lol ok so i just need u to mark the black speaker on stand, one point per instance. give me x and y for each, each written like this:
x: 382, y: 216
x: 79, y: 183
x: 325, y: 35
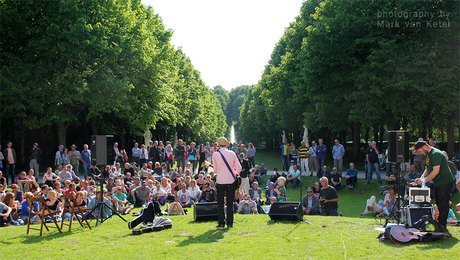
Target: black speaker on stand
x: 398, y: 142
x: 102, y: 149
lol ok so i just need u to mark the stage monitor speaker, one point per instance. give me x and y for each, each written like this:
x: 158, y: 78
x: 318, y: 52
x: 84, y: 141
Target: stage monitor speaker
x: 102, y: 149
x: 398, y: 142
x: 205, y: 211
x: 415, y: 213
x: 286, y: 211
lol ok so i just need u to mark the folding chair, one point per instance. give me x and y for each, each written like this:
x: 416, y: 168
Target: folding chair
x: 70, y: 205
x: 44, y: 212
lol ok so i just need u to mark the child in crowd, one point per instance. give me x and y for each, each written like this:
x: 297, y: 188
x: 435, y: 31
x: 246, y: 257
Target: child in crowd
x: 281, y: 190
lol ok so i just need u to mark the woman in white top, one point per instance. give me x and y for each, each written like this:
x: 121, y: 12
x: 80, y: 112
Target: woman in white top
x: 165, y: 185
x: 194, y: 190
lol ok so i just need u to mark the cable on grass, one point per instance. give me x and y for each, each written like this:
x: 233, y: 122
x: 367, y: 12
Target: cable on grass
x: 344, y: 249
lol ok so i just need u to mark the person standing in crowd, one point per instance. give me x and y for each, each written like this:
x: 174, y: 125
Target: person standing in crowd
x: 320, y: 156
x: 58, y: 160
x: 74, y: 158
x: 226, y: 165
x: 338, y: 151
x: 85, y: 158
x: 180, y: 154
x: 433, y: 144
x: 438, y: 171
x: 372, y: 159
x: 312, y: 162
x: 35, y: 156
x: 328, y: 197
x: 136, y: 153
x: 285, y: 155
x: 303, y: 157
x: 244, y: 174
x: 192, y: 156
x: 251, y: 153
x: 10, y: 160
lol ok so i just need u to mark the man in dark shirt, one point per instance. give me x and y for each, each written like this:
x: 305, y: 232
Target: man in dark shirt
x: 372, y: 159
x: 154, y: 153
x: 180, y: 154
x: 128, y: 168
x: 208, y: 194
x: 328, y: 198
x: 336, y: 179
x: 438, y: 171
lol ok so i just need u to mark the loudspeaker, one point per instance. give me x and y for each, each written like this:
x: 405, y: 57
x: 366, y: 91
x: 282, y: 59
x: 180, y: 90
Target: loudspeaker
x: 398, y: 146
x: 205, y: 211
x: 102, y: 149
x: 286, y: 211
x: 415, y: 213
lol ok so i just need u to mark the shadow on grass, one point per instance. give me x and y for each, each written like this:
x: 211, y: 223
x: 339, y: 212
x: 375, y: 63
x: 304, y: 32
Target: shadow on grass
x: 212, y: 235
x: 34, y: 236
x: 445, y: 243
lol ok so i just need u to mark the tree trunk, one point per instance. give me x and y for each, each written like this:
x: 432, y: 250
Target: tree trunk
x: 382, y: 133
x: 22, y: 143
x: 356, y: 140
x: 450, y: 137
x: 62, y: 133
x: 376, y: 133
x: 95, y: 121
x: 366, y: 137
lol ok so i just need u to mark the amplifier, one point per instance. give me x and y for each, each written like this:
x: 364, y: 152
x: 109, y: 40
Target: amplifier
x: 416, y: 212
x: 286, y: 211
x: 419, y: 195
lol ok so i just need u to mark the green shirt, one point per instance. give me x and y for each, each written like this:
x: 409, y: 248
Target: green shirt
x: 435, y: 158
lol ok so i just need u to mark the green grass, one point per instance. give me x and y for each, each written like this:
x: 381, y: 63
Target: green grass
x: 351, y: 236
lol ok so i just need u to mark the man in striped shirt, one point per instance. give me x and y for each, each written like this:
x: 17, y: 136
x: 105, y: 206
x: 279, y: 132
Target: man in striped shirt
x: 303, y: 156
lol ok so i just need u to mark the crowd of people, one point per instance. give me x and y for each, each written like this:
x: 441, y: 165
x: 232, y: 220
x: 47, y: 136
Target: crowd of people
x: 183, y: 175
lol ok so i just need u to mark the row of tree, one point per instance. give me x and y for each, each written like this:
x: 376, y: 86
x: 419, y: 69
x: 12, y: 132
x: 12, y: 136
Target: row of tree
x: 72, y: 68
x: 345, y: 68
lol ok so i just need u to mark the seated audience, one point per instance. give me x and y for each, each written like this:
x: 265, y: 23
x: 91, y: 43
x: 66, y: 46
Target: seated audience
x: 336, y: 179
x: 94, y: 202
x: 413, y: 174
x: 255, y: 193
x: 49, y: 177
x: 351, y: 176
x: 5, y: 216
x: 54, y: 204
x: 120, y: 202
x: 26, y: 206
x: 310, y: 203
x: 158, y: 193
x: 8, y: 200
x: 141, y: 195
x: 372, y: 207
x: 208, y: 194
x: 17, y: 194
x: 270, y: 201
x: 183, y: 196
x: 294, y: 177
x: 273, y: 178
x: 247, y: 206
x: 270, y: 192
x: 194, y: 191
x: 389, y: 205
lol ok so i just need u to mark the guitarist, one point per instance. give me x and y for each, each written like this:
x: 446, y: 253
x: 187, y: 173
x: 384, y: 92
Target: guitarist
x: 244, y: 174
x: 227, y: 167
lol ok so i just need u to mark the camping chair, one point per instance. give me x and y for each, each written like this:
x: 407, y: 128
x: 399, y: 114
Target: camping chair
x: 44, y: 212
x: 70, y: 205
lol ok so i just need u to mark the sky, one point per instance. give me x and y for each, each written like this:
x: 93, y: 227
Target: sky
x: 229, y: 42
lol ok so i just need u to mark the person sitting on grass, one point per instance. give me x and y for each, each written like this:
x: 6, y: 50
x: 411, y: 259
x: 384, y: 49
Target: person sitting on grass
x: 294, y: 177
x: 158, y: 193
x: 255, y: 193
x: 281, y: 190
x: 270, y: 192
x: 413, y: 174
x: 273, y: 178
x: 175, y: 209
x: 208, y: 194
x: 316, y: 188
x: 94, y: 202
x: 183, y: 196
x: 5, y: 215
x: 389, y: 202
x: 351, y: 176
x: 310, y: 203
x: 336, y: 179
x: 271, y: 200
x: 247, y: 206
x: 8, y: 200
x: 140, y: 194
x: 17, y: 194
x: 194, y: 191
x: 372, y: 207
x: 120, y: 202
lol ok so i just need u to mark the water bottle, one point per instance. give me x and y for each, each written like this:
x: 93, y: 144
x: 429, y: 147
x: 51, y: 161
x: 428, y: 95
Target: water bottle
x: 423, y: 181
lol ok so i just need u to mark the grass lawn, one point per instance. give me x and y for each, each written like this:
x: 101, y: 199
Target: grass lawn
x: 351, y: 236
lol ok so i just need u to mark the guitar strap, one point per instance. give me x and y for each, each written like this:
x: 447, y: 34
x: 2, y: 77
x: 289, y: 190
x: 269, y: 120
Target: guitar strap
x: 228, y: 166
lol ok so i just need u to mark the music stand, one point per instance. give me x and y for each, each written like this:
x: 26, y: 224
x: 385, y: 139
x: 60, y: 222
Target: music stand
x: 100, y: 205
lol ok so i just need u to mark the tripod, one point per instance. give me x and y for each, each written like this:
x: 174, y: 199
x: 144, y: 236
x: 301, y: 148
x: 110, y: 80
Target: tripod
x: 99, y: 209
x: 398, y: 206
